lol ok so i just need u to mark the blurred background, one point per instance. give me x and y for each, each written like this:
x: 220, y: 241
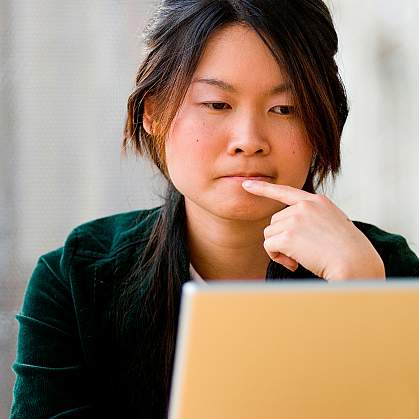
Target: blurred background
x: 66, y: 70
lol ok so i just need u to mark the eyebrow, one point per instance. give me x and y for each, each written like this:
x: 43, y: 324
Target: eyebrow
x: 280, y: 88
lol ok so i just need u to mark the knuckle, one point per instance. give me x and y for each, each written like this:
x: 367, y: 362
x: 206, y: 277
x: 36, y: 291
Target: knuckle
x: 274, y: 218
x: 296, y: 219
x: 267, y: 245
x: 287, y: 235
x: 322, y: 199
x: 304, y: 205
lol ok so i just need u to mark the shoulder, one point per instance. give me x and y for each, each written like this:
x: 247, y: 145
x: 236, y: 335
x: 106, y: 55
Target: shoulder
x: 69, y: 282
x: 101, y: 238
x: 101, y: 248
x: 399, y: 259
x: 92, y: 247
x: 106, y: 236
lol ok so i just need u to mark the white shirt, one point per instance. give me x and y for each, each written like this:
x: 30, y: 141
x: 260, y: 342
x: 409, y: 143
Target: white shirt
x: 195, y: 275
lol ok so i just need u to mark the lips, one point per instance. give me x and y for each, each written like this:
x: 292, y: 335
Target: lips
x: 241, y: 177
x: 265, y: 178
x: 250, y: 175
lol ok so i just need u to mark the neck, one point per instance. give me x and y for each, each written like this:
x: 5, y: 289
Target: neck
x: 225, y: 249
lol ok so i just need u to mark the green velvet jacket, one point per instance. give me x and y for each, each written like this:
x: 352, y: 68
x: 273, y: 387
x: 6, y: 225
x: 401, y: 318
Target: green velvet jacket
x: 65, y: 365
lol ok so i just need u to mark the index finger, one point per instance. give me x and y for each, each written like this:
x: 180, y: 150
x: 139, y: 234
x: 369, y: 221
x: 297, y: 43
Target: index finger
x: 283, y: 193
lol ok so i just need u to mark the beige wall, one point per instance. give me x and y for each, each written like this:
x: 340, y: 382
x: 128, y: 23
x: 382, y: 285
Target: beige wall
x: 379, y: 60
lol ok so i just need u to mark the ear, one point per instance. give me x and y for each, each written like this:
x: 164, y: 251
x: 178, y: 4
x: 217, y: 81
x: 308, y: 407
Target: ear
x: 149, y: 104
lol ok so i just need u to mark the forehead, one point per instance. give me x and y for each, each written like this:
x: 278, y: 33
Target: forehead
x: 238, y: 56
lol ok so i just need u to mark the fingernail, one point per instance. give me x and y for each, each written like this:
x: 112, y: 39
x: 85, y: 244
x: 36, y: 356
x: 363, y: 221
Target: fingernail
x: 248, y: 184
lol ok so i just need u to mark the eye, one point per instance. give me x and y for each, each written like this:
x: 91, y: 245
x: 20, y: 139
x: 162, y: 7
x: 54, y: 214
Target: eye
x: 216, y: 106
x: 284, y: 109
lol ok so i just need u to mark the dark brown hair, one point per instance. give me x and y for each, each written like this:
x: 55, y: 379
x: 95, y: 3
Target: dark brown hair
x: 302, y: 38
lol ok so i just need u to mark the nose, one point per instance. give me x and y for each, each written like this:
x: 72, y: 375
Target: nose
x: 248, y: 138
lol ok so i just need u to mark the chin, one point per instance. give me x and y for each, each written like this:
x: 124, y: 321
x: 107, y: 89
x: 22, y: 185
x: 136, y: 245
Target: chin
x: 230, y: 204
x: 245, y: 211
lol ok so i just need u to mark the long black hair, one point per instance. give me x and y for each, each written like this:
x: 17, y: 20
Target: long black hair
x: 302, y: 38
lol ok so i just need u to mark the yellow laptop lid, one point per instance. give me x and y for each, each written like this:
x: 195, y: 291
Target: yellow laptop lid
x: 297, y: 350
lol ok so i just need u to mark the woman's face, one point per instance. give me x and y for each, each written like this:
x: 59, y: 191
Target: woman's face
x: 236, y: 126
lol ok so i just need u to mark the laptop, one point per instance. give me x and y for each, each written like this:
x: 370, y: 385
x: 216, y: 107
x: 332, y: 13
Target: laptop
x: 297, y: 350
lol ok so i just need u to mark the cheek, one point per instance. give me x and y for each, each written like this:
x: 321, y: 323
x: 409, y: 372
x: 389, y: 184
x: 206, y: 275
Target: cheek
x: 294, y: 156
x: 189, y: 149
x: 302, y: 151
x: 294, y: 145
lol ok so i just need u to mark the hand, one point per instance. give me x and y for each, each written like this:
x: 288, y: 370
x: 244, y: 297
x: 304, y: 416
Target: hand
x: 314, y: 232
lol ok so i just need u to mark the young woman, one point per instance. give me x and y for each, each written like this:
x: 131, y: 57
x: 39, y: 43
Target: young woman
x: 240, y: 106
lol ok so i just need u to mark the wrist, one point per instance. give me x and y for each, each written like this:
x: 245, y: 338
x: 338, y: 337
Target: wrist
x: 373, y: 268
